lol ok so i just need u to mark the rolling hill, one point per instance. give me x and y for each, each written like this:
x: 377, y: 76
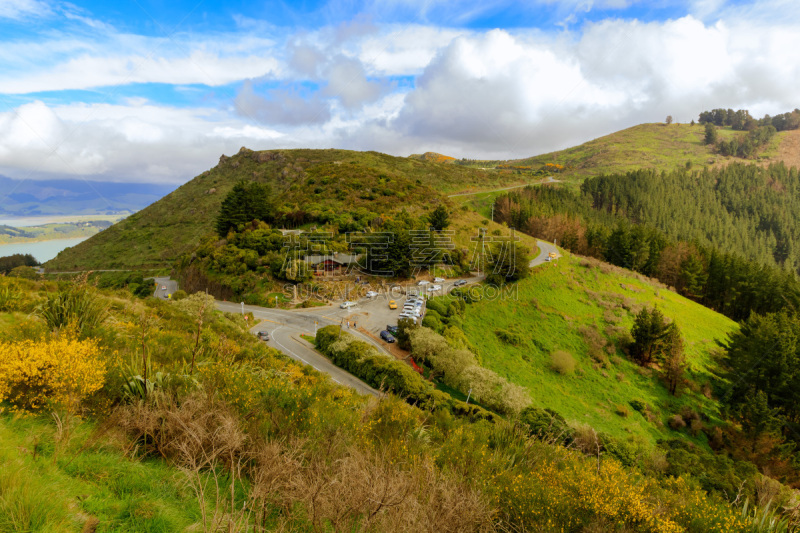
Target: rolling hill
x: 646, y: 146
x: 303, y: 181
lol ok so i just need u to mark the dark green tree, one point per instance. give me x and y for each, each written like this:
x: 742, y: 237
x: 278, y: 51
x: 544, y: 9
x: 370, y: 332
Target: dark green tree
x: 439, y: 218
x: 764, y: 356
x: 649, y: 333
x: 247, y: 201
x: 673, y: 360
x: 693, y: 276
x: 507, y: 261
x: 711, y: 133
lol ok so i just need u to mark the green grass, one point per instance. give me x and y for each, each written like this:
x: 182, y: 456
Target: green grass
x: 97, y: 485
x: 548, y: 311
x: 650, y: 146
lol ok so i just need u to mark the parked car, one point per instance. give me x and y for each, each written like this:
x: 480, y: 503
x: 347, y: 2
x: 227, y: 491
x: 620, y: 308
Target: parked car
x: 388, y: 337
x: 392, y: 329
x: 347, y: 305
x: 392, y: 304
x: 263, y: 335
x: 460, y: 283
x: 438, y: 280
x: 423, y: 282
x: 432, y: 288
x: 371, y: 294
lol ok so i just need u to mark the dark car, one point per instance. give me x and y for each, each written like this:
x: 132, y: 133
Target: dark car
x: 392, y: 329
x: 263, y: 335
x: 388, y: 337
x: 459, y: 283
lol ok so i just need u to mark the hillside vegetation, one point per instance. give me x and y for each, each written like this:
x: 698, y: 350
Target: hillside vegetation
x: 307, y: 184
x: 191, y: 423
x: 646, y: 146
x: 586, y: 308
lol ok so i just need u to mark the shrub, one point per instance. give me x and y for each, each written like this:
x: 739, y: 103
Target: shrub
x: 638, y: 405
x: 676, y: 422
x: 63, y: 370
x: 9, y: 297
x: 77, y: 305
x: 562, y: 362
x: 509, y: 337
x: 545, y: 424
x: 622, y: 410
x: 179, y: 295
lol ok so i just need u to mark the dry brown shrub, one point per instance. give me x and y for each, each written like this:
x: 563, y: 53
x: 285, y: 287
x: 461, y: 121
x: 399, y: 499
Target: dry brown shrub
x: 334, y: 485
x: 595, y: 344
x: 676, y: 422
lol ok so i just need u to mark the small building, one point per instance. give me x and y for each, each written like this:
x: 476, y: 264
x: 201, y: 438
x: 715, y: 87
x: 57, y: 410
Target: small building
x: 332, y: 264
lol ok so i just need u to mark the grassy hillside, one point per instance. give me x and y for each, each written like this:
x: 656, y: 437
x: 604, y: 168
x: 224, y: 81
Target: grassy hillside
x: 586, y: 308
x: 301, y: 180
x: 653, y: 146
x: 273, y: 445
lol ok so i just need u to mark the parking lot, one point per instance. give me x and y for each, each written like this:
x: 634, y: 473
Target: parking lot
x: 373, y: 314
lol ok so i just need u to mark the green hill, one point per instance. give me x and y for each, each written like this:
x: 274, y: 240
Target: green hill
x: 586, y: 308
x: 306, y: 184
x: 649, y: 146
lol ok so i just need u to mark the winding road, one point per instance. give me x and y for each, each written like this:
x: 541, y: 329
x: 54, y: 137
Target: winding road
x: 286, y: 327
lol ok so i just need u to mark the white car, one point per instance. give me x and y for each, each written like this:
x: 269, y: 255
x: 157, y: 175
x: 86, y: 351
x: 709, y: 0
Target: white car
x: 372, y: 294
x: 434, y: 288
x: 423, y: 282
x: 347, y: 305
x: 438, y: 280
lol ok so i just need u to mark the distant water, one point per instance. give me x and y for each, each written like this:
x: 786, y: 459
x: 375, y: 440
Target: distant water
x: 42, y: 251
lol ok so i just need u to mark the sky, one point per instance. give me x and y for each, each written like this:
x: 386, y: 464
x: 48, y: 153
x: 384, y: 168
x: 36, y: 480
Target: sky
x: 154, y: 91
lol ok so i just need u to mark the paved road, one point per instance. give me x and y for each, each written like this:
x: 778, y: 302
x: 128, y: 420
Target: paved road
x: 546, y: 248
x: 164, y: 287
x: 285, y: 328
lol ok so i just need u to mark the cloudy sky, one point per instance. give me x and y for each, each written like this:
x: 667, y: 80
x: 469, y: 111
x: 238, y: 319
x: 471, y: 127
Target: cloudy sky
x: 155, y: 90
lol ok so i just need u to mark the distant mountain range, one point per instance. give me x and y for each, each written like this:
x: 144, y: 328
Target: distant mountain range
x: 26, y: 198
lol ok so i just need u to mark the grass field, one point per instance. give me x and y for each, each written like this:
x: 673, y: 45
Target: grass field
x: 585, y: 307
x: 97, y: 489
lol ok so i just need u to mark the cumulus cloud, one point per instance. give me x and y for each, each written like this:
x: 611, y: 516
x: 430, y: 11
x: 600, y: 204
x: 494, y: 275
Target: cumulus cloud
x: 138, y: 142
x: 283, y: 107
x: 347, y: 82
x: 467, y: 93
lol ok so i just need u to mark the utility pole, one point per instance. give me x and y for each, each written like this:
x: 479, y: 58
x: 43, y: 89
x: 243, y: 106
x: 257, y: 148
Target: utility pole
x: 242, y: 308
x: 468, y: 395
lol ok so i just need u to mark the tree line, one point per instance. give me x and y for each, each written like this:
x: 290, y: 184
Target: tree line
x: 741, y: 119
x: 724, y: 238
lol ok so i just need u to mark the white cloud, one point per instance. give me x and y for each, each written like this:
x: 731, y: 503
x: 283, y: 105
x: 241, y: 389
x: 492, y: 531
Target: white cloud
x: 141, y: 142
x: 18, y: 9
x: 124, y: 59
x: 495, y: 94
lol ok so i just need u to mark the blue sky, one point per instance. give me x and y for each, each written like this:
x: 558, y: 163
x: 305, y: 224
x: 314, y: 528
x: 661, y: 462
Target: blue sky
x: 155, y: 91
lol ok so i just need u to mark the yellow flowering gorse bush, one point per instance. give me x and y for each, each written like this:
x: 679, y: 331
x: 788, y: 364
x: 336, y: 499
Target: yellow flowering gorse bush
x: 63, y: 370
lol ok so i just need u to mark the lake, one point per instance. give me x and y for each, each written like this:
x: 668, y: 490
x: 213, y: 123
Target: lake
x: 42, y: 251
